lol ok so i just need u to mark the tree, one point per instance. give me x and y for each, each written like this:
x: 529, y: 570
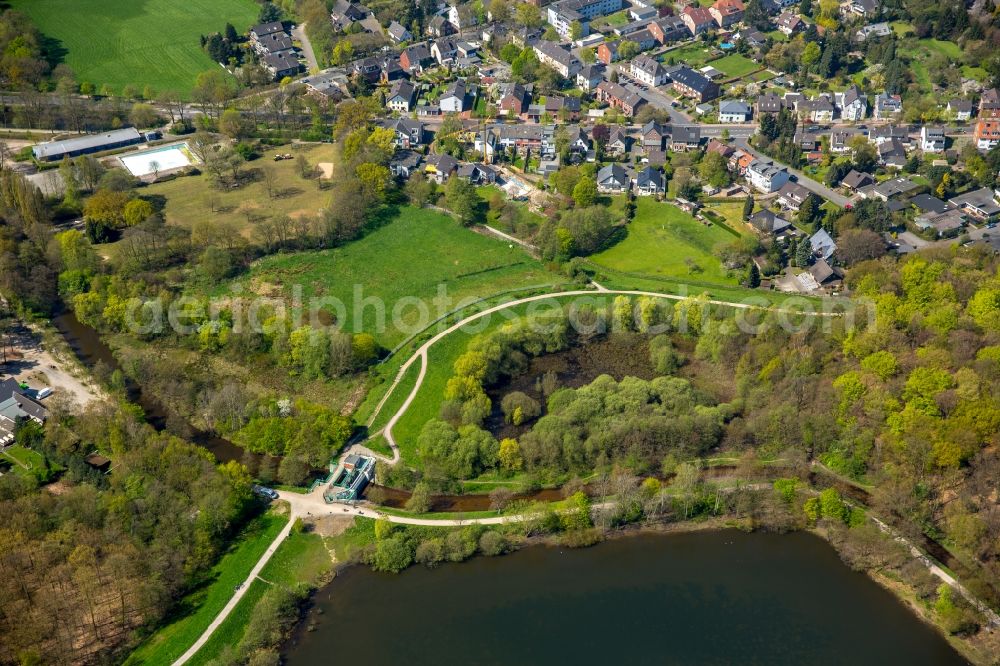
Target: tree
x: 106, y: 206
x: 809, y: 210
x: 748, y: 205
x: 232, y: 124
x: 585, y: 192
x: 462, y: 199
x: 575, y: 30
x: 714, y: 170
x: 753, y: 277
x: 392, y: 555
x: 510, y: 455
x: 803, y: 253
x: 143, y: 115
x: 856, y: 245
x: 528, y: 15
x: 627, y: 49
x: 420, y: 499
x: 268, y: 13
x: 137, y: 211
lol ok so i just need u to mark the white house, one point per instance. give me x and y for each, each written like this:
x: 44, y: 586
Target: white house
x: 648, y: 70
x: 766, y: 177
x: 932, y: 139
x: 853, y: 104
x: 734, y: 111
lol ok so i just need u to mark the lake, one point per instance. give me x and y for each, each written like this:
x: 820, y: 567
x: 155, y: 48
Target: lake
x: 716, y: 597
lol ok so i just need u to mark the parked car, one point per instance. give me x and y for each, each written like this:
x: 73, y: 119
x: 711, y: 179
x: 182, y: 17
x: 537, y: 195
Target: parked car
x: 266, y: 493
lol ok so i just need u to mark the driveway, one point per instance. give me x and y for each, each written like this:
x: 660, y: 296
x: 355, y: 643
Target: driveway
x: 299, y: 34
x: 805, y: 181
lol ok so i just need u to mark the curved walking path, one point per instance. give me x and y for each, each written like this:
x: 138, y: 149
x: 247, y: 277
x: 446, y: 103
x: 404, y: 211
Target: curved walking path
x: 421, y: 353
x: 238, y: 594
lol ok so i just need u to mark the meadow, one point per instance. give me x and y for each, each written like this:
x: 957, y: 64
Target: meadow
x: 665, y: 241
x: 140, y: 42
x: 404, y: 266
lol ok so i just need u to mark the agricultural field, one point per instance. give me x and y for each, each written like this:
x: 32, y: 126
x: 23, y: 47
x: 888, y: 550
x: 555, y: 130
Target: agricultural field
x: 665, y: 241
x: 735, y: 66
x: 153, y: 42
x: 417, y: 256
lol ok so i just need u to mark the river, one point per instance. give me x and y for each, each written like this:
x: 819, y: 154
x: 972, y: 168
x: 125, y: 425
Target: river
x: 714, y: 597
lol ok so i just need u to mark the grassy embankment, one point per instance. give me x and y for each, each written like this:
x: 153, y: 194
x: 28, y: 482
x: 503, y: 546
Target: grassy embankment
x: 197, y: 610
x: 150, y: 43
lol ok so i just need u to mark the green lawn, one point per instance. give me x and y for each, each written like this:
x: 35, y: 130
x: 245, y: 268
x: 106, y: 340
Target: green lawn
x: 199, y: 608
x: 301, y: 558
x: 29, y: 463
x: 400, y: 278
x: 137, y: 42
x: 693, y: 55
x: 735, y: 66
x: 665, y: 241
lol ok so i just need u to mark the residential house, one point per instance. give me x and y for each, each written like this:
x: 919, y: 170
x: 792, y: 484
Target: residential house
x: 818, y: 110
x: 439, y: 26
x: 765, y: 176
x: 932, y: 139
x: 607, y: 52
x: 14, y: 408
x: 649, y: 182
x: 865, y: 8
x: 416, y: 58
x: 734, y: 111
x: 789, y: 23
x: 685, y: 137
x: 892, y: 153
x: 613, y: 179
x: 618, y: 97
x: 444, y: 50
x: 754, y: 38
x: 946, y: 219
x: 461, y: 15
x: 716, y: 146
x: 514, y: 100
x: 258, y: 32
x: 961, y: 109
x: 564, y: 108
x: 405, y: 163
x: 840, y: 139
x: 855, y: 180
x: 555, y: 56
x: 619, y: 142
x: 397, y: 33
x: 331, y: 84
x: 458, y: 97
x: 589, y: 76
x: 440, y: 168
x: 562, y: 15
x: 791, y: 195
x: 281, y: 65
x: 887, y: 106
x: 697, y: 19
x: 980, y: 204
x: 402, y: 96
x: 853, y: 104
x: 767, y: 222
x: 345, y: 14
x: 987, y: 133
x: 654, y: 135
x: 892, y: 189
x: 273, y: 42
x: 822, y: 244
x: 769, y: 102
x: 690, y: 83
x: 726, y: 12
x: 880, y: 29
x: 882, y: 133
x: 477, y: 174
x: 668, y: 29
x: 643, y: 38
x: 538, y: 139
x: 989, y: 104
x: 579, y: 140
x: 409, y: 133
x: 647, y: 70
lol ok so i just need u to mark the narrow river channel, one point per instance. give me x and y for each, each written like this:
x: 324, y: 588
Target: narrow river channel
x: 716, y: 597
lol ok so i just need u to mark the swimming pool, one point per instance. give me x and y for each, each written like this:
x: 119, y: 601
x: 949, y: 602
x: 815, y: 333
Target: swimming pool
x: 161, y: 159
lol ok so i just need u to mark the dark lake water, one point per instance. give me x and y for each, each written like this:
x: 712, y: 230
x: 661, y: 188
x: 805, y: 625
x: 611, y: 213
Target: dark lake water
x: 707, y: 598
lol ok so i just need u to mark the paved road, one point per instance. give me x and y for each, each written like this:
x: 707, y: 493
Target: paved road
x: 299, y: 33
x: 805, y: 181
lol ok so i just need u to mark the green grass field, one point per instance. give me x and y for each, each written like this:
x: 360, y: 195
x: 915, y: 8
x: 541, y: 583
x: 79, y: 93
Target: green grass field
x: 735, y: 66
x: 194, y: 199
x: 693, y: 55
x: 199, y: 608
x: 231, y: 631
x: 402, y: 268
x: 665, y: 241
x: 137, y: 42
